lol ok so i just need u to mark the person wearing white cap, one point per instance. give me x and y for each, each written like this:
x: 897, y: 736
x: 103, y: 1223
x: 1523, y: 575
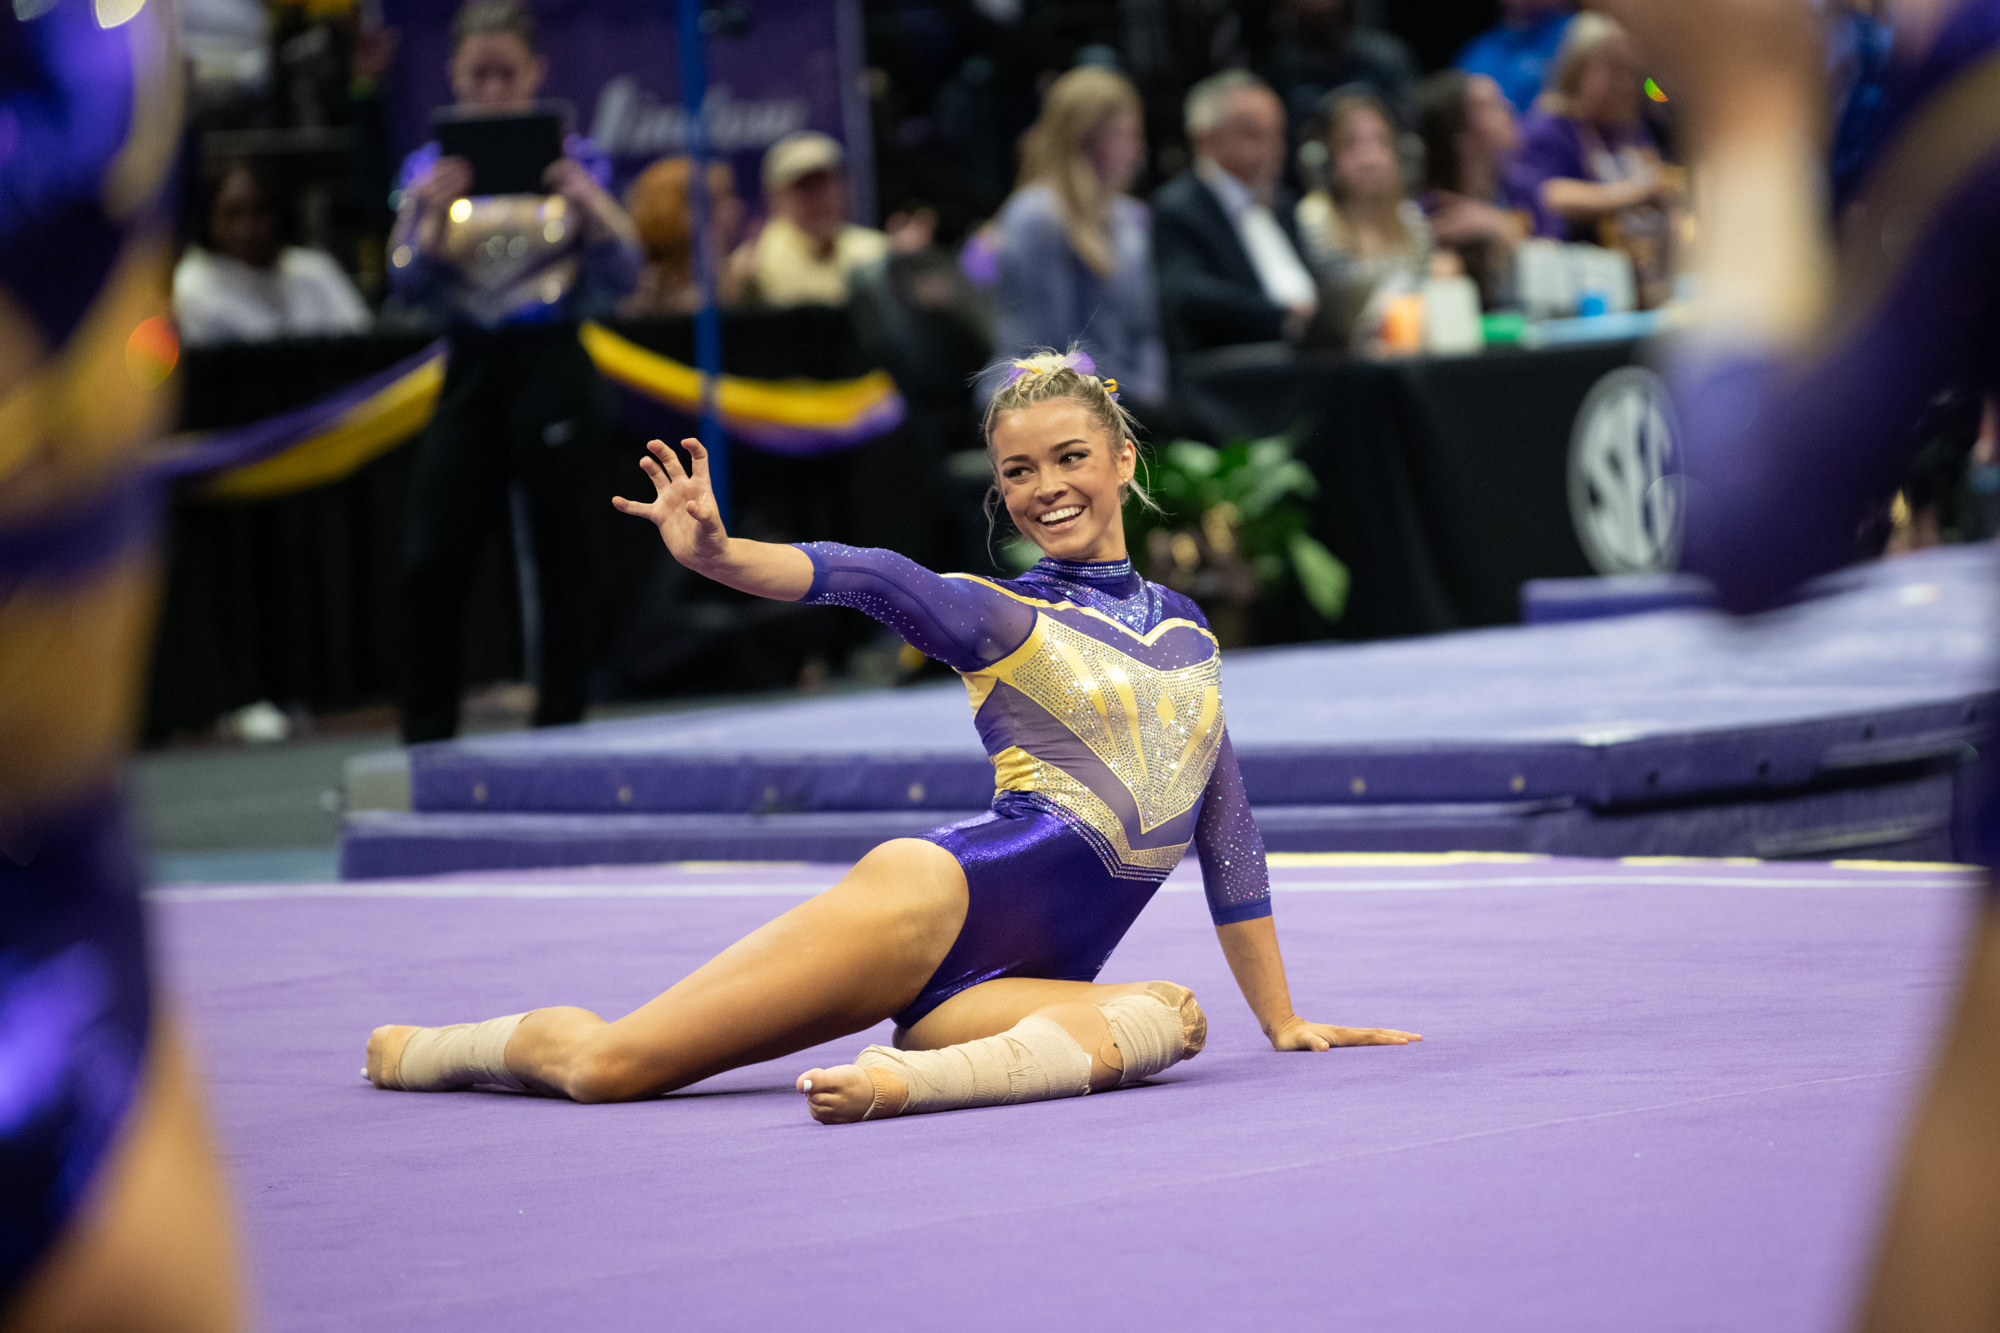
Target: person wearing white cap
x: 808, y: 248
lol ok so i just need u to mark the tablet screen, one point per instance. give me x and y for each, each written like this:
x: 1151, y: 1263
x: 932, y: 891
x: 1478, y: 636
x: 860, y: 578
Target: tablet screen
x: 508, y: 153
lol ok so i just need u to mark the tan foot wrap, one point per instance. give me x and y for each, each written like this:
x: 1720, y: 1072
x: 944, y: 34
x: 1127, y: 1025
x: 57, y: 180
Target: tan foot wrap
x: 1030, y: 1062
x: 1159, y: 1027
x: 464, y: 1055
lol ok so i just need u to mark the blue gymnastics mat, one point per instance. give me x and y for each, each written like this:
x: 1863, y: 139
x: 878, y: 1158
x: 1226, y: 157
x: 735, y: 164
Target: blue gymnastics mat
x: 1839, y: 725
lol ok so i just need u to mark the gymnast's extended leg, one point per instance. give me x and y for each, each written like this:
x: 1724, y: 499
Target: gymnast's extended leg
x: 837, y: 964
x: 1011, y: 1040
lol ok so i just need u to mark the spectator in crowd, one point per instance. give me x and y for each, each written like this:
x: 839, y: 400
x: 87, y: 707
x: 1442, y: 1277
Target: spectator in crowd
x: 658, y: 202
x: 1075, y: 252
x: 1584, y: 149
x: 1516, y: 52
x: 1322, y: 46
x: 1225, y: 241
x: 1587, y: 154
x: 808, y: 249
x: 518, y: 422
x: 1363, y: 232
x: 243, y: 283
x: 1476, y: 206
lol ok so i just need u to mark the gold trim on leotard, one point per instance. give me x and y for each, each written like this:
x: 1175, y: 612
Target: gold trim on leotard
x: 1157, y: 730
x: 1014, y: 769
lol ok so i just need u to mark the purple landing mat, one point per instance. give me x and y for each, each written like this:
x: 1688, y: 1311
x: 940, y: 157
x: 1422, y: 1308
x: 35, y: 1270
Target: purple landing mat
x: 1905, y: 820
x: 1894, y: 665
x: 1651, y: 1097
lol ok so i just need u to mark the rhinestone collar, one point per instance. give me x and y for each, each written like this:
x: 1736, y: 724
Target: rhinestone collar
x: 1107, y: 572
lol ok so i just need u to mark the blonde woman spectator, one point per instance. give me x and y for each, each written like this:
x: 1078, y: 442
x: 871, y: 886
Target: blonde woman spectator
x: 659, y: 206
x: 1584, y: 147
x: 1074, y: 250
x: 1363, y: 232
x: 1593, y: 164
x: 244, y: 284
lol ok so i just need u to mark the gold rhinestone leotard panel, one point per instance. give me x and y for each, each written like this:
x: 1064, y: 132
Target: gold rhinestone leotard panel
x: 1156, y: 729
x: 1017, y: 770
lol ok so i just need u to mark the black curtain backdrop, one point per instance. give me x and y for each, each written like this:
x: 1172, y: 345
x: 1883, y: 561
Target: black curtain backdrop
x: 295, y: 599
x: 290, y: 599
x: 1443, y: 488
x: 1444, y: 481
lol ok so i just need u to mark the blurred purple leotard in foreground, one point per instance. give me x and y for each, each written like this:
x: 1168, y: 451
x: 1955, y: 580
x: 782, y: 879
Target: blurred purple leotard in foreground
x: 1787, y: 456
x: 75, y: 257
x: 1099, y: 698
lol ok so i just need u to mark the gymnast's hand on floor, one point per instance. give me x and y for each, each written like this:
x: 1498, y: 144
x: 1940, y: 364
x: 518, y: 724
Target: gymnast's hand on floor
x: 1295, y: 1034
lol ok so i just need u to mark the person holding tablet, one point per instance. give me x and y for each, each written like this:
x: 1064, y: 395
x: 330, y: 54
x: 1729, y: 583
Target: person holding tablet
x: 518, y: 422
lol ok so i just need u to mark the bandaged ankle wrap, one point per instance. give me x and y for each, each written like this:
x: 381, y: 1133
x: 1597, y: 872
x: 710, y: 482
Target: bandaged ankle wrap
x: 1030, y: 1062
x: 464, y: 1055
x: 1159, y: 1027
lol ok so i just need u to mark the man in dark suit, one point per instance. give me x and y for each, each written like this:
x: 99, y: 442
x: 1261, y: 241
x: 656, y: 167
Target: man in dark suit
x: 1225, y: 243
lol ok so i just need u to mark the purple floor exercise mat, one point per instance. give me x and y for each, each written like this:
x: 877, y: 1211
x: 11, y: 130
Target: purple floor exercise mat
x: 1651, y: 1097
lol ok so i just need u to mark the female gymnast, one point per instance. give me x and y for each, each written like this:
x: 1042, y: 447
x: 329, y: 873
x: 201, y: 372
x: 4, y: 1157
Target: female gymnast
x: 1098, y: 696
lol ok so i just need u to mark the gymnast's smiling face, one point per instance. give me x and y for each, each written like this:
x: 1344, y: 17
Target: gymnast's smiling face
x: 1062, y: 475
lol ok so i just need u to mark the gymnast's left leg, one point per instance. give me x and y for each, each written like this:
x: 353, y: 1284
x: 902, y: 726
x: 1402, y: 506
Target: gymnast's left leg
x: 1017, y: 1039
x: 835, y: 964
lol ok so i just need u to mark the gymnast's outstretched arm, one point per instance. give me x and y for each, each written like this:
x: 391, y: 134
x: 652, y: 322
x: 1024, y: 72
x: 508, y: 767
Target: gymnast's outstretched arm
x: 964, y: 623
x: 1237, y: 881
x: 1798, y: 390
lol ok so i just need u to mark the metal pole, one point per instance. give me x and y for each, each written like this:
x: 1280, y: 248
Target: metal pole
x: 707, y: 320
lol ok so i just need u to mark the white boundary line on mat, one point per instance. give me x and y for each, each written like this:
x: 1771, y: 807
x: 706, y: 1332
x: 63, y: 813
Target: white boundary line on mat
x: 1601, y: 881
x: 366, y: 888
x: 795, y: 889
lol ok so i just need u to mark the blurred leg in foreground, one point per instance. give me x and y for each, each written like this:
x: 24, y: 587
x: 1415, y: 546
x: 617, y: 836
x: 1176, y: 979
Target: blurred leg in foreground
x: 1939, y: 1266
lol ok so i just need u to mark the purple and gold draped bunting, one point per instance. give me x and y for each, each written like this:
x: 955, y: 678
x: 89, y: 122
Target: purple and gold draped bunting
x: 794, y: 416
x: 334, y: 437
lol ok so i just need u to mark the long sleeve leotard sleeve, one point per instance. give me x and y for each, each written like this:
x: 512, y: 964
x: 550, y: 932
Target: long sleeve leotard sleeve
x: 1786, y: 454
x: 1233, y: 871
x: 963, y: 623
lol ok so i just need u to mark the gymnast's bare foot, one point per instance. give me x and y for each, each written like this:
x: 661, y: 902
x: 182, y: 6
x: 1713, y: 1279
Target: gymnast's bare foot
x: 843, y: 1094
x: 385, y: 1054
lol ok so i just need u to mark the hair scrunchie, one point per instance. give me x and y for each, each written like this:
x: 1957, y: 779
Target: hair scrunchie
x: 1078, y: 361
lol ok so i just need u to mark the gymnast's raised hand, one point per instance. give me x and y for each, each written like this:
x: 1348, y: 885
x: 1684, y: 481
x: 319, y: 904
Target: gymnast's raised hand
x: 683, y: 508
x: 1098, y: 696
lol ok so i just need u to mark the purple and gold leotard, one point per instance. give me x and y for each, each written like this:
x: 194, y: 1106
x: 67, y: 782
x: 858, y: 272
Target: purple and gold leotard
x: 1099, y: 698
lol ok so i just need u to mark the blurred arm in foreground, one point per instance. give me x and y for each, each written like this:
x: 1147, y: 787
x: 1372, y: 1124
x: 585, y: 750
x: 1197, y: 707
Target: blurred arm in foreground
x: 1814, y: 360
x: 1795, y: 399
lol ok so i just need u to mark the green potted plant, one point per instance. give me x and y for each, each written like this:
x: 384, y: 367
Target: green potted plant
x: 1229, y: 528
